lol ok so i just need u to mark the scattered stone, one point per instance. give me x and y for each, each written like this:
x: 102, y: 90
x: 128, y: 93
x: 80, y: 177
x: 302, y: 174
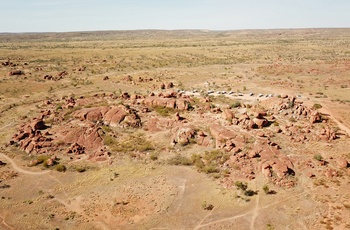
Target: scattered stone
x: 330, y: 173
x: 16, y: 72
x: 342, y: 163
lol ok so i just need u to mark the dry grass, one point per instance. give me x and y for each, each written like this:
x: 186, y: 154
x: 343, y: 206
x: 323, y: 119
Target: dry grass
x: 312, y: 63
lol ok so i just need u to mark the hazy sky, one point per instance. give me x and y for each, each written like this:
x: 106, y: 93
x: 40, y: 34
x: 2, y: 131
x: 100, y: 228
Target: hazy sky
x: 86, y: 15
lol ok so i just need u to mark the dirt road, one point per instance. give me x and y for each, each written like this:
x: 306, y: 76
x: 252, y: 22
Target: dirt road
x: 18, y: 169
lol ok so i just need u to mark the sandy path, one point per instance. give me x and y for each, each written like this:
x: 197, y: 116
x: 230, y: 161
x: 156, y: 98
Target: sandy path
x: 255, y: 212
x: 327, y: 111
x: 18, y: 169
x: 8, y: 125
x: 3, y: 223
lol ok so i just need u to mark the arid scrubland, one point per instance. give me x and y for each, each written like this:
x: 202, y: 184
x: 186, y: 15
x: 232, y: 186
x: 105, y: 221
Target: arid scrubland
x: 175, y: 130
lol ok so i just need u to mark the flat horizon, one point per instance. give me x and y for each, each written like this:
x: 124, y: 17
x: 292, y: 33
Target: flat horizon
x: 172, y: 30
x: 105, y: 15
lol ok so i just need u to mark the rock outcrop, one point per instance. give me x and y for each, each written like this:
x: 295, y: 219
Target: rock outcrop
x: 112, y: 116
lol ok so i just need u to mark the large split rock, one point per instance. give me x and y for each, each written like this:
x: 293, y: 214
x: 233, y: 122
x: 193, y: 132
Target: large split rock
x: 113, y: 116
x: 225, y: 139
x: 166, y: 102
x: 87, y: 137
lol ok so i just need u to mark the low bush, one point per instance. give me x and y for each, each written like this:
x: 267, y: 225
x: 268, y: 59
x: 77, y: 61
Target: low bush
x: 318, y: 157
x: 235, y: 104
x: 207, y: 206
x: 266, y: 189
x: 60, y: 168
x: 316, y: 106
x: 153, y: 157
x: 163, y: 111
x: 180, y: 160
x: 241, y: 185
x: 80, y: 168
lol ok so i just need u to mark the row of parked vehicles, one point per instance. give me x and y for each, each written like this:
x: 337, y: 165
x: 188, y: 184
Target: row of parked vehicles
x: 224, y: 92
x: 239, y: 93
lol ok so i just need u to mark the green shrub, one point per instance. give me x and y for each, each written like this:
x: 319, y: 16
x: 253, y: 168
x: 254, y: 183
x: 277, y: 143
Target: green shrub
x: 266, y: 189
x: 180, y: 160
x: 210, y: 169
x: 42, y: 158
x: 153, y: 157
x: 133, y: 143
x: 60, y: 168
x: 292, y: 119
x: 209, y: 161
x: 207, y: 206
x: 216, y: 156
x: 318, y: 157
x: 316, y: 106
x: 163, y: 111
x: 235, y: 104
x: 241, y: 185
x: 249, y: 192
x: 197, y: 161
x: 109, y: 140
x: 80, y: 168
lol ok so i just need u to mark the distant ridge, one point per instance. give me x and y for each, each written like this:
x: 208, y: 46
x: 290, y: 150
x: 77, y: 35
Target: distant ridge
x: 156, y: 34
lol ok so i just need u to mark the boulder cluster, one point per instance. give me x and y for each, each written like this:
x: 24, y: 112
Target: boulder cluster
x: 31, y: 137
x: 245, y: 133
x: 112, y: 116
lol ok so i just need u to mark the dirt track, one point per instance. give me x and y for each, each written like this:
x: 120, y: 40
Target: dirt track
x: 15, y: 167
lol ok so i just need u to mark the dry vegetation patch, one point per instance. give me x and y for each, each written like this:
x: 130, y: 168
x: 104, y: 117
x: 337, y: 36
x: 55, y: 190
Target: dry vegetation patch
x: 176, y: 129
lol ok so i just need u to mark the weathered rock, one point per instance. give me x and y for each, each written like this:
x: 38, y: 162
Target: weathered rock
x: 37, y: 124
x: 342, y: 163
x: 87, y: 137
x: 50, y: 162
x: 114, y: 116
x: 259, y: 113
x: 91, y: 114
x: 203, y: 139
x: 219, y: 132
x: 62, y: 73
x: 76, y: 149
x: 310, y: 174
x: 330, y: 173
x: 101, y: 155
x: 47, y: 77
x: 182, y: 104
x: 16, y: 72
x: 132, y: 120
x: 125, y: 95
x: 169, y: 85
x: 184, y: 136
x: 315, y: 117
x: 229, y: 145
x: 228, y: 114
x: 260, y: 123
x: 178, y: 117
